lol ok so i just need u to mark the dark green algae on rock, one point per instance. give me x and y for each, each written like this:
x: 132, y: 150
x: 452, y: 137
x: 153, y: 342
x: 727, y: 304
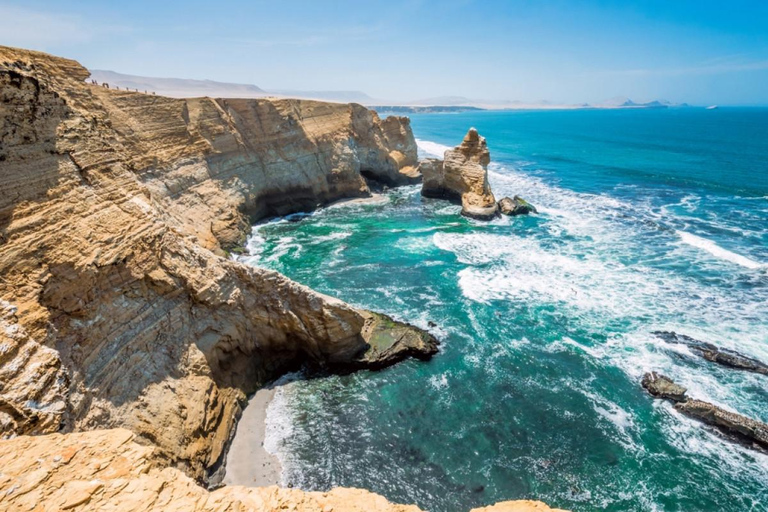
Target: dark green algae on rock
x: 390, y: 341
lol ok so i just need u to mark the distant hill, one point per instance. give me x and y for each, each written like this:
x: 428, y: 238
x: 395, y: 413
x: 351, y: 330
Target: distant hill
x: 405, y: 109
x: 624, y: 102
x: 178, y: 87
x: 338, y: 96
x: 188, y: 88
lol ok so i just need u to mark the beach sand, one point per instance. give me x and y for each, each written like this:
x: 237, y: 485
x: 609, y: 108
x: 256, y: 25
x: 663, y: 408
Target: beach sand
x: 374, y: 199
x: 248, y: 463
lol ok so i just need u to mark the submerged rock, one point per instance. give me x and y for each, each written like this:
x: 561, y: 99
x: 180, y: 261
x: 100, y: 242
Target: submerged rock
x: 662, y: 386
x: 516, y: 206
x: 463, y: 175
x: 710, y: 352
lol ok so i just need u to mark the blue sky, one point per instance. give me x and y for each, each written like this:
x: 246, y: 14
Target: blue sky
x: 701, y: 52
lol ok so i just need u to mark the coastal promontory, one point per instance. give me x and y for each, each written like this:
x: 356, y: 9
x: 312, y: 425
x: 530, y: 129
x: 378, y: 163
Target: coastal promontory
x: 129, y: 337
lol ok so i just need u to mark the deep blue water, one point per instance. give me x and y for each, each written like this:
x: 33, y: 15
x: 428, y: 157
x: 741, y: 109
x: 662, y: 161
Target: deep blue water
x: 648, y: 220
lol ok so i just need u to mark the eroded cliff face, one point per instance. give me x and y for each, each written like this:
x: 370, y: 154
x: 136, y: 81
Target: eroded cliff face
x: 118, y: 309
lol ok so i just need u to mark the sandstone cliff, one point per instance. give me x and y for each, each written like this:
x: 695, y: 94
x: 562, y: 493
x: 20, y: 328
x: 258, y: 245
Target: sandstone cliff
x: 117, y: 308
x: 107, y: 470
x: 463, y: 175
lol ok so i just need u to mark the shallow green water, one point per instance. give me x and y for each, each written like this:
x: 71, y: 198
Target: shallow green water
x: 648, y: 220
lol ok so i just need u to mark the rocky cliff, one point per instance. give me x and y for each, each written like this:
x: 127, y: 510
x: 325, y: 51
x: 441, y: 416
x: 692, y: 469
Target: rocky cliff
x: 463, y: 175
x: 117, y: 308
x: 108, y: 470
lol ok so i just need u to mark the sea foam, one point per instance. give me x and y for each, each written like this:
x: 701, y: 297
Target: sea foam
x: 429, y: 149
x: 717, y: 251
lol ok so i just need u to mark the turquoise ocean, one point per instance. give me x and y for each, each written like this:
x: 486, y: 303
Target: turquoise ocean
x: 648, y: 220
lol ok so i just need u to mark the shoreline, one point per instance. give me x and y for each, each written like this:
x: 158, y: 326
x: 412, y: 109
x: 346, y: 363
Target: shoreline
x: 248, y: 462
x: 374, y: 198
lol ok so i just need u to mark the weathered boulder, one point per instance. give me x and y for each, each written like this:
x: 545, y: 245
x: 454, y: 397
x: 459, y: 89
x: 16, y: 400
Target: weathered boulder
x: 463, y: 176
x: 662, y: 386
x: 710, y: 352
x: 516, y: 206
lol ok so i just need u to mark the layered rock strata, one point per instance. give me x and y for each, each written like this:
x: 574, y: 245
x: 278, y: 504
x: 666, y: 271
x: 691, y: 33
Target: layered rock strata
x: 746, y: 431
x: 108, y: 470
x: 462, y: 176
x: 117, y: 308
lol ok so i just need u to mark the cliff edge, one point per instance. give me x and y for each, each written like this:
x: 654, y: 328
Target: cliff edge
x: 108, y: 470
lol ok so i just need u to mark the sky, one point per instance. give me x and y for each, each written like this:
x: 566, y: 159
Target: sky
x: 700, y: 52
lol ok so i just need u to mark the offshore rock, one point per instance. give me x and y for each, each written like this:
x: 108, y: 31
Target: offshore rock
x: 740, y: 428
x: 710, y: 352
x: 516, y: 206
x: 746, y: 431
x: 116, y: 207
x: 662, y: 386
x: 463, y: 176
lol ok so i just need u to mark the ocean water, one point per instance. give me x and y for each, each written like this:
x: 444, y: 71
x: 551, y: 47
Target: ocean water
x: 648, y: 220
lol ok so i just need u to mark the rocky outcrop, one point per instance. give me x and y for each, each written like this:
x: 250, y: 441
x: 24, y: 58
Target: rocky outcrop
x: 107, y: 470
x: 746, y: 430
x: 710, y: 352
x: 662, y: 386
x: 741, y: 429
x: 116, y: 207
x: 516, y: 206
x: 463, y: 176
x: 390, y: 341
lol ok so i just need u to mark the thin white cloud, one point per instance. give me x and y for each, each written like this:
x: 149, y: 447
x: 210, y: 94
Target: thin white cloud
x: 30, y: 28
x: 346, y: 34
x: 716, y: 66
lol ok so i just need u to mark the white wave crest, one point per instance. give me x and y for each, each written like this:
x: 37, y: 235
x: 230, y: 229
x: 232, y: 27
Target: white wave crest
x: 431, y: 149
x: 717, y: 251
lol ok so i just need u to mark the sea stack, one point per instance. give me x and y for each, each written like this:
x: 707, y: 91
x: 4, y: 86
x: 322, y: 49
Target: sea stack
x: 463, y: 175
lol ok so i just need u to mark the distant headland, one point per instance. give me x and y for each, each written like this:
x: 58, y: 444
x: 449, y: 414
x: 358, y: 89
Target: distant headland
x: 190, y: 88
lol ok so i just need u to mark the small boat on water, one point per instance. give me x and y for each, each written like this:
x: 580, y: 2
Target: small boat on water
x: 712, y: 107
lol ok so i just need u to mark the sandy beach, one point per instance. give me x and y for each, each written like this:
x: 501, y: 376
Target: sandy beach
x: 374, y: 199
x: 248, y: 463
